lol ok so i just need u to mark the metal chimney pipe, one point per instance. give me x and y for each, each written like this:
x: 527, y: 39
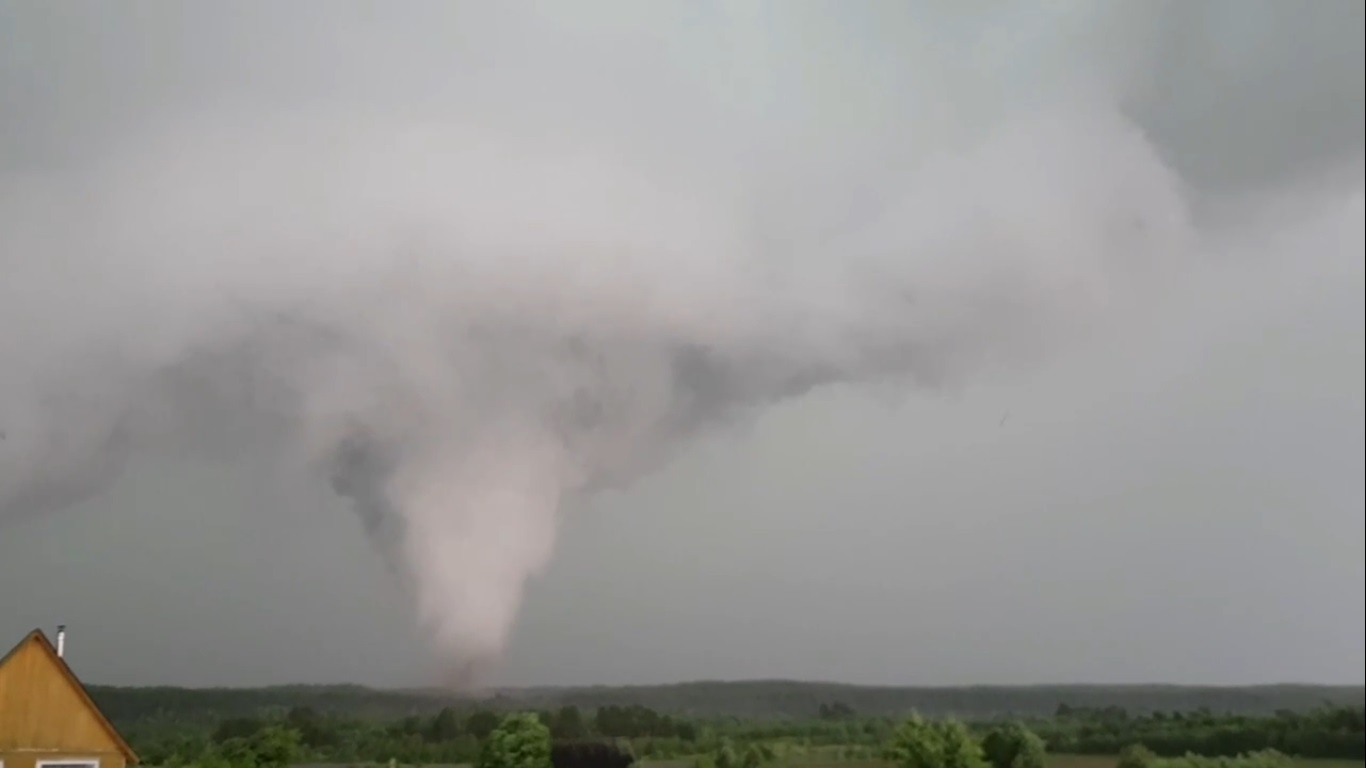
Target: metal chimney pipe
x: 61, y: 641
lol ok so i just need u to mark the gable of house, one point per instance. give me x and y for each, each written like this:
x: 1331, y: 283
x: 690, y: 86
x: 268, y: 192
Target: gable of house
x: 45, y: 711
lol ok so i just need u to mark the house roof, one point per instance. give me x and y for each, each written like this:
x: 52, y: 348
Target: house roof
x: 38, y: 638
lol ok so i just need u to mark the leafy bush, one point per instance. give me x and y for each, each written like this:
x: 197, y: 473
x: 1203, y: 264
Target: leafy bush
x: 1013, y: 746
x: 919, y: 743
x: 1139, y: 756
x: 1268, y: 758
x: 519, y: 741
x: 1136, y: 756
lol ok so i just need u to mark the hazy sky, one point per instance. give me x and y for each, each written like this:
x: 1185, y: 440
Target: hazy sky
x: 1176, y: 496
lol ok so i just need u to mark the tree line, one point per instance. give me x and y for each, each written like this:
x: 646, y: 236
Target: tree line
x: 1326, y: 732
x: 836, y: 731
x: 750, y: 700
x: 525, y: 740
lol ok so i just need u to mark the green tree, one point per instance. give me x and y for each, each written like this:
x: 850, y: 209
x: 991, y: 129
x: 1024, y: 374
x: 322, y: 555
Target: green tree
x: 236, y: 752
x: 236, y: 728
x: 756, y: 755
x: 919, y: 743
x: 275, y: 746
x: 725, y: 755
x: 481, y: 724
x: 957, y: 747
x: 520, y: 741
x: 210, y: 759
x: 1136, y: 756
x: 836, y: 711
x: 1013, y: 746
x: 914, y: 745
x: 568, y: 723
x: 444, y: 727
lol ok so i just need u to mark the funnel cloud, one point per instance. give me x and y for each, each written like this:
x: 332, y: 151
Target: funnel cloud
x: 473, y: 265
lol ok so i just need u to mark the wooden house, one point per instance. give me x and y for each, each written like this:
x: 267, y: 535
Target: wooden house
x: 47, y: 720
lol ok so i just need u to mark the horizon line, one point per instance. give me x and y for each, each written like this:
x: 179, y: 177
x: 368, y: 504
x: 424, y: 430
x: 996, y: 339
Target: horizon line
x: 497, y: 689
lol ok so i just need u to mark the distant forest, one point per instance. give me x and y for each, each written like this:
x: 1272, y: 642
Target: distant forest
x: 754, y: 700
x: 736, y: 725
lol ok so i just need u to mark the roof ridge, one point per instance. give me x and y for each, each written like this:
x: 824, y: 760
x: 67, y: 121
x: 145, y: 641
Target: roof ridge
x: 40, y: 637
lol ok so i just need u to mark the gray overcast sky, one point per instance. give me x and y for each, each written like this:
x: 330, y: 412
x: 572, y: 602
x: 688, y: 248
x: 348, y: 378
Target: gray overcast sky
x: 1177, y: 498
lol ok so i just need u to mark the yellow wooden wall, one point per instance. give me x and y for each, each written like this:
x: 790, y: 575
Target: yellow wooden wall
x: 44, y: 717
